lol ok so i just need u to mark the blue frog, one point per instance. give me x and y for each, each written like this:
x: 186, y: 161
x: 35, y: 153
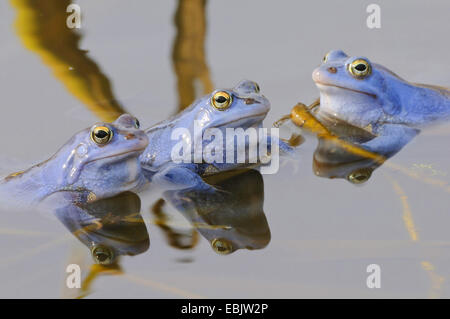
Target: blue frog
x: 96, y: 163
x: 242, y: 107
x: 371, y: 97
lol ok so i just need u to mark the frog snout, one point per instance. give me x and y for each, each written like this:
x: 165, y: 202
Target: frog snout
x: 316, y: 75
x: 323, y: 73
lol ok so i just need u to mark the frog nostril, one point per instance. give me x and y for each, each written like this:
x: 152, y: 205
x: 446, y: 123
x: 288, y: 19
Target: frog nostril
x: 129, y: 136
x: 250, y: 101
x: 332, y: 69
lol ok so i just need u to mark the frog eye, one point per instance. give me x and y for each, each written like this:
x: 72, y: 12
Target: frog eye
x: 137, y: 124
x: 221, y: 100
x: 360, y: 176
x: 359, y: 68
x: 222, y: 246
x: 102, y: 255
x: 325, y: 58
x: 101, y: 135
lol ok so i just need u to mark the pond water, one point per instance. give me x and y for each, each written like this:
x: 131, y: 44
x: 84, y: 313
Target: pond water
x: 314, y: 236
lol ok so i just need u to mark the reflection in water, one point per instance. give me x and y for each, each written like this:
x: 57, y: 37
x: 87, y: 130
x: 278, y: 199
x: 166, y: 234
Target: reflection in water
x: 408, y: 220
x: 342, y: 153
x: 188, y: 52
x: 193, y: 80
x: 95, y: 271
x: 339, y: 153
x: 109, y: 227
x: 231, y: 218
x: 42, y: 27
x: 175, y: 238
x: 333, y: 161
x: 348, y: 151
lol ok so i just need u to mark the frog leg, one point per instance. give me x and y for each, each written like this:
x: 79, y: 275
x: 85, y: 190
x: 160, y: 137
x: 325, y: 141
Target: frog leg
x: 390, y: 139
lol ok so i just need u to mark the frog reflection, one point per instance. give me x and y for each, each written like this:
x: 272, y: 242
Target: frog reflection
x: 109, y: 228
x: 344, y: 150
x: 231, y: 218
x: 331, y: 160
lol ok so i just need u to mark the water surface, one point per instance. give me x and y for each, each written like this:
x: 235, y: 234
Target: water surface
x: 323, y: 233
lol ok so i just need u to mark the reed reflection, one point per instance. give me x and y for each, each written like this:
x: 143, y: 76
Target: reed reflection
x: 188, y: 52
x: 41, y: 25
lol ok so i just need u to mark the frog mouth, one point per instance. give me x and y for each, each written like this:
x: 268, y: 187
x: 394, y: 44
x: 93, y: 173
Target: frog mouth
x: 346, y: 88
x: 121, y: 155
x: 253, y: 116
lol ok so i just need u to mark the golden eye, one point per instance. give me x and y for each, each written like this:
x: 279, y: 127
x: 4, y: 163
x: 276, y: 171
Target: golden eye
x: 101, y: 135
x: 360, y: 68
x: 221, y: 100
x: 360, y: 176
x: 137, y: 124
x: 222, y: 246
x: 325, y: 58
x: 102, y: 255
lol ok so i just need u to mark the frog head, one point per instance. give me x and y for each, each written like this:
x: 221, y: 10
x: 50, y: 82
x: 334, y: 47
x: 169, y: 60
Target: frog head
x: 356, y: 90
x: 102, y: 159
x: 242, y: 106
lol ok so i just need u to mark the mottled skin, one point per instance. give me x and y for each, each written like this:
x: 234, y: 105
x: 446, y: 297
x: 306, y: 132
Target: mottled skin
x: 83, y: 170
x: 248, y: 109
x: 392, y: 108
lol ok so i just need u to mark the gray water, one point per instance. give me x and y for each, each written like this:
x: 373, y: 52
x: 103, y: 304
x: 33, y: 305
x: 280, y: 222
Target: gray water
x: 324, y: 232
